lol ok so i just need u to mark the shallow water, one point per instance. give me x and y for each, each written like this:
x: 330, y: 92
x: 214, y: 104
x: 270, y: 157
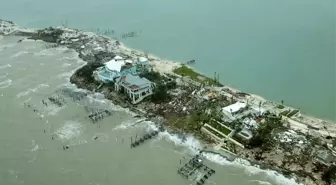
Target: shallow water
x: 32, y: 150
x: 282, y: 50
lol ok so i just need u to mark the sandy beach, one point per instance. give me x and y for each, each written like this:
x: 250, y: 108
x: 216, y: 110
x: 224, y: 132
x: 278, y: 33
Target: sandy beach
x: 299, y: 122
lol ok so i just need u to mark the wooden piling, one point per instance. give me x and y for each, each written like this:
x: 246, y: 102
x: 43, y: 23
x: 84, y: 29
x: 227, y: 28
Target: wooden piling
x: 142, y: 139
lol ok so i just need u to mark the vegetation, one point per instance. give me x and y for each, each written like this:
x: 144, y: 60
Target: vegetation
x: 160, y: 94
x: 86, y: 72
x: 329, y: 175
x: 214, y: 132
x: 238, y: 139
x: 163, y: 85
x: 152, y: 75
x: 262, y: 137
x: 190, y: 123
x: 280, y: 106
x: 157, y: 78
x: 220, y: 128
x: 186, y: 71
x: 49, y: 34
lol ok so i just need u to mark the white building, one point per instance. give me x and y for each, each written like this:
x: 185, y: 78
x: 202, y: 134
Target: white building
x: 233, y: 109
x: 111, y: 70
x: 250, y: 123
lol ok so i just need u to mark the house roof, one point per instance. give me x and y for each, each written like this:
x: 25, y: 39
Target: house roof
x: 134, y: 81
x: 143, y: 59
x: 129, y: 61
x: 118, y: 57
x: 250, y: 122
x: 114, y: 65
x: 234, y: 107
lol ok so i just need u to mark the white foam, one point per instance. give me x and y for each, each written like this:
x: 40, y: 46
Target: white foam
x: 35, y: 146
x: 5, y: 66
x: 68, y: 58
x: 19, y: 54
x: 261, y: 182
x: 194, y: 146
x: 53, y: 110
x: 70, y: 130
x: 77, y: 142
x: 130, y: 123
x: 5, y: 84
x: 36, y: 89
x: 100, y: 100
x: 65, y: 75
x: 66, y: 65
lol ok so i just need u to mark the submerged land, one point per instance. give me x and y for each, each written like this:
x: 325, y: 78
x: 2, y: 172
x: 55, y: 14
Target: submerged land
x: 233, y: 123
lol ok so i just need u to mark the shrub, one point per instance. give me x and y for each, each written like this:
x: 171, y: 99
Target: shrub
x: 87, y: 71
x: 263, y: 135
x: 329, y: 175
x: 160, y: 94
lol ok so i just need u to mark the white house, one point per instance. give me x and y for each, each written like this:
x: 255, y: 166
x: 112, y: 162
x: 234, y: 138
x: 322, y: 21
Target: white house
x: 232, y: 110
x: 250, y: 123
x: 111, y: 70
x: 142, y: 61
x: 117, y: 58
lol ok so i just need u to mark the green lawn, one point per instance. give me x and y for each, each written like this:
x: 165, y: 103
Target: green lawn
x: 186, y: 71
x: 280, y: 107
x: 220, y: 128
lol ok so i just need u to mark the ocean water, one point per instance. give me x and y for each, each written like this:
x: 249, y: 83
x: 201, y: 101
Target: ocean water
x: 282, y: 50
x: 33, y: 134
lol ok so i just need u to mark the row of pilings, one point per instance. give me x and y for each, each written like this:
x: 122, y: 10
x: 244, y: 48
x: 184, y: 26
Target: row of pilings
x: 195, y: 164
x: 57, y: 100
x: 99, y: 115
x: 138, y: 141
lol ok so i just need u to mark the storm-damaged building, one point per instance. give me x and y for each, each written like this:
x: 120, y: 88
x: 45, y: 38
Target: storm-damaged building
x: 123, y: 74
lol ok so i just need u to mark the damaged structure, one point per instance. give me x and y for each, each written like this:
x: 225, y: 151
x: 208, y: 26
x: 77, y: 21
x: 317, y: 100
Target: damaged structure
x: 123, y: 74
x: 232, y: 110
x: 136, y: 87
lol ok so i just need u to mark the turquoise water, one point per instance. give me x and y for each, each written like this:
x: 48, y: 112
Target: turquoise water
x: 282, y: 50
x: 33, y: 134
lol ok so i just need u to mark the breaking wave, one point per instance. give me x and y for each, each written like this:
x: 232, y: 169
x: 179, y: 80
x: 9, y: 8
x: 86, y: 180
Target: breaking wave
x: 19, y: 54
x: 99, y: 100
x: 24, y: 93
x: 5, y: 66
x: 70, y: 130
x: 195, y: 146
x: 261, y: 182
x: 130, y: 123
x: 5, y: 84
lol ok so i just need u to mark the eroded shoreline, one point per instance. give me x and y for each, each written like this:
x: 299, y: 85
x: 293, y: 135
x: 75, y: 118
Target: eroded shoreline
x: 76, y: 39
